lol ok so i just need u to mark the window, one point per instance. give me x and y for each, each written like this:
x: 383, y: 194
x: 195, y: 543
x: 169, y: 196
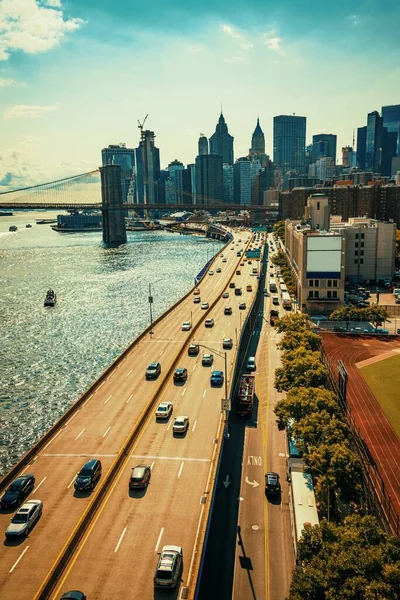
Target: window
x: 355, y: 261
x: 316, y: 283
x: 362, y: 236
x: 318, y: 205
x: 311, y: 294
x: 311, y: 283
x: 356, y: 244
x: 316, y: 294
x: 361, y: 261
x: 329, y: 294
x: 329, y: 282
x: 361, y: 252
x: 335, y: 283
x: 362, y: 244
x: 334, y: 294
x: 356, y: 236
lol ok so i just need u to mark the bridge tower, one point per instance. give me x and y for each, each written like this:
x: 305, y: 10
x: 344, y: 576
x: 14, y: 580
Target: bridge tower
x: 114, y: 231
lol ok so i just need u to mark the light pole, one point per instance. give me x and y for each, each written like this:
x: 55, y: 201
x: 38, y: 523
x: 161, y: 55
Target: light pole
x: 151, y: 312
x: 222, y: 355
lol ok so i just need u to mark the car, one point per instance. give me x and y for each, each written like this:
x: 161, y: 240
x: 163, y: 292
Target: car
x: 275, y: 300
x: 225, y: 295
x: 232, y: 284
x: 238, y: 291
x: 242, y: 264
x: 196, y: 292
x: 24, y: 519
x: 140, y: 477
x: 242, y: 306
x: 249, y: 288
x: 164, y: 410
x: 221, y: 255
x: 88, y: 475
x: 249, y: 262
x: 272, y: 484
x: 207, y: 360
x: 211, y: 273
x: 397, y: 301
x: 238, y: 272
x: 204, y: 305
x: 197, y: 300
x: 266, y: 292
x: 224, y: 260
x: 227, y: 310
x: 169, y: 567
x: 193, y: 350
x: 339, y: 328
x: 227, y: 344
x: 217, y: 378
x: 153, y: 370
x: 219, y: 270
x: 181, y: 424
x: 73, y: 595
x: 17, y: 491
x: 180, y: 375
x: 209, y: 323
x: 186, y: 326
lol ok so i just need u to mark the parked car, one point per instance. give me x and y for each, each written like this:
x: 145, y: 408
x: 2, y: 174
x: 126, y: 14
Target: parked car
x: 140, y: 477
x: 169, y: 567
x: 153, y: 370
x: 217, y: 378
x: 193, y: 349
x: 17, y: 491
x: 207, y: 360
x: 24, y: 519
x: 272, y: 484
x: 209, y: 323
x: 164, y: 410
x: 180, y: 375
x: 227, y: 310
x: 227, y: 344
x: 89, y: 474
x: 181, y: 425
x: 186, y: 326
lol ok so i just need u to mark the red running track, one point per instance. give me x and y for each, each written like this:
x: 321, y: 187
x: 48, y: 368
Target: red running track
x: 371, y: 421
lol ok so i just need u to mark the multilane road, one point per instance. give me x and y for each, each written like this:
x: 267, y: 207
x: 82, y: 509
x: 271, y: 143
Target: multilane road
x: 119, y: 552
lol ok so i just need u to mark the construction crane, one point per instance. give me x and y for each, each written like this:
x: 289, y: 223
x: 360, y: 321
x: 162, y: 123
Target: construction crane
x: 141, y: 125
x: 144, y: 163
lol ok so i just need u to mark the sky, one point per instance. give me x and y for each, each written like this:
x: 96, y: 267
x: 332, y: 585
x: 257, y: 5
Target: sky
x: 77, y: 75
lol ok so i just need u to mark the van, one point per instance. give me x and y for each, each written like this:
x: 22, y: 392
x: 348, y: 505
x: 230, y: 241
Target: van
x: 251, y: 363
x: 88, y: 475
x: 275, y: 300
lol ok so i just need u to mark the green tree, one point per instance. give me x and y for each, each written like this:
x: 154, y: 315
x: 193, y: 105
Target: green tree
x: 321, y: 427
x: 300, y: 368
x: 301, y: 337
x: 301, y: 402
x: 279, y: 230
x: 356, y: 560
x: 375, y: 314
x: 292, y: 322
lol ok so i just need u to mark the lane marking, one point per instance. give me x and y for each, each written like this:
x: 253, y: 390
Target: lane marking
x: 184, y: 392
x: 130, y: 397
x: 79, y: 435
x: 194, y: 426
x: 204, y: 393
x: 39, y: 484
x: 169, y: 425
x: 194, y: 367
x: 120, y: 540
x: 105, y: 433
x: 17, y: 561
x: 109, y: 397
x: 159, y: 539
x: 129, y: 372
x: 162, y: 351
x: 145, y: 353
x: 152, y: 465
x: 72, y: 481
x: 180, y: 470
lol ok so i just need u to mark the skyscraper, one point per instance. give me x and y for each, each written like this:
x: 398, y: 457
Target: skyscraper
x: 374, y: 143
x: 324, y: 144
x: 174, y: 187
x: 242, y: 181
x: 203, y: 144
x: 361, y: 146
x: 258, y: 140
x: 147, y: 169
x: 227, y: 183
x: 290, y: 142
x: 391, y: 120
x: 221, y: 142
x: 208, y: 179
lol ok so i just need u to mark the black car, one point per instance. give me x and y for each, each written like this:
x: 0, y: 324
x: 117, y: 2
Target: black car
x: 73, y: 595
x: 140, y: 477
x: 242, y: 306
x: 232, y: 284
x: 153, y: 370
x: 180, y: 375
x: 193, y: 350
x: 88, y: 475
x: 227, y: 310
x: 272, y: 484
x: 17, y: 491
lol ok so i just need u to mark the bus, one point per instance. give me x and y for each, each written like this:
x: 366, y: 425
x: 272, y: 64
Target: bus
x: 272, y: 285
x: 302, y: 503
x: 286, y: 302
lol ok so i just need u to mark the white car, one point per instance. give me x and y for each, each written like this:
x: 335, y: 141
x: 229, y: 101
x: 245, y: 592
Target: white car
x: 211, y: 273
x: 224, y: 260
x: 24, y: 519
x: 207, y: 360
x: 209, y: 323
x: 186, y: 326
x: 225, y: 295
x: 181, y: 425
x: 164, y: 410
x: 204, y: 305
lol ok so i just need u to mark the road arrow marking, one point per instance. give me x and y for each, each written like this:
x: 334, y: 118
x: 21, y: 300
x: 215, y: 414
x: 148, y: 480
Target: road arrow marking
x: 253, y: 483
x: 226, y: 482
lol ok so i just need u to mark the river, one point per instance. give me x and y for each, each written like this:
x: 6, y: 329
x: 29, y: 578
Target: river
x: 49, y: 356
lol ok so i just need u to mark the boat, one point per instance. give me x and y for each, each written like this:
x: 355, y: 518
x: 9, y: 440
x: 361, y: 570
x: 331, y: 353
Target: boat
x: 141, y: 225
x: 78, y: 221
x: 13, y: 228
x: 50, y: 299
x: 45, y: 221
x: 6, y: 213
x: 28, y: 225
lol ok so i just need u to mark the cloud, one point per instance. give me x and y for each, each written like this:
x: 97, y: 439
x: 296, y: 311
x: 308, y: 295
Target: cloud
x: 273, y: 43
x: 235, y: 35
x: 4, y: 82
x: 26, y: 140
x: 33, y: 26
x: 25, y: 110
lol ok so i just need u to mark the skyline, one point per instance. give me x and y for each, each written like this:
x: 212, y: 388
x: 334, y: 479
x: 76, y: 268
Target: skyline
x: 70, y: 80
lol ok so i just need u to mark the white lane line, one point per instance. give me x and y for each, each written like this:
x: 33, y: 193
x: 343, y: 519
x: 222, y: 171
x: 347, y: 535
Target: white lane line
x: 109, y: 398
x: 129, y: 373
x: 194, y: 367
x: 180, y: 470
x: 130, y: 397
x: 169, y: 425
x: 79, y: 434
x: 184, y: 392
x: 152, y: 465
x: 72, y: 481
x: 204, y: 393
x: 17, y: 561
x: 169, y: 458
x: 105, y: 433
x: 145, y: 353
x: 159, y: 539
x: 39, y: 484
x: 161, y: 352
x: 120, y: 540
x: 194, y: 426
x: 172, y: 336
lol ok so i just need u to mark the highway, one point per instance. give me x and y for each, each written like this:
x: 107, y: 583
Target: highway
x: 119, y: 550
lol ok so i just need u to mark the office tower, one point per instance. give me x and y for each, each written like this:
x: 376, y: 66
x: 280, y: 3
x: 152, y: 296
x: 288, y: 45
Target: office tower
x: 389, y: 148
x: 227, y: 184
x: 221, y: 142
x: 192, y: 169
x: 255, y: 168
x: 374, y: 143
x: 290, y: 143
x: 147, y: 169
x: 391, y: 120
x: 324, y: 144
x: 258, y: 140
x: 162, y: 181
x: 174, y: 185
x: 347, y: 156
x: 119, y: 154
x: 242, y: 181
x: 266, y: 181
x: 361, y: 146
x: 203, y: 144
x: 208, y: 179
x: 325, y: 168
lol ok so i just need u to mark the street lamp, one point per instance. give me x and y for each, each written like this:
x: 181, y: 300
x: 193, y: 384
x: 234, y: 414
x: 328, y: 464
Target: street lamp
x: 151, y: 300
x: 222, y: 355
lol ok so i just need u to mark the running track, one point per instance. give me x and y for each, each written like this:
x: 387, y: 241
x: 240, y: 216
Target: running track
x: 373, y: 425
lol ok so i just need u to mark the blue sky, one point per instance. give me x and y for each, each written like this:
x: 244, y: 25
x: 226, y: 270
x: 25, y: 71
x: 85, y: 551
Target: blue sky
x: 76, y: 76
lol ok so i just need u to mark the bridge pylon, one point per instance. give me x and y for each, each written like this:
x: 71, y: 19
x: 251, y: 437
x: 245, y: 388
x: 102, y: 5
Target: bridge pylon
x: 113, y: 212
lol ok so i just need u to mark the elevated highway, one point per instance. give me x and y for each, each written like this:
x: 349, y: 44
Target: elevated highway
x: 106, y: 542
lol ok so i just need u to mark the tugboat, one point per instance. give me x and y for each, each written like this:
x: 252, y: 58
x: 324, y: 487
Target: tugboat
x: 50, y: 299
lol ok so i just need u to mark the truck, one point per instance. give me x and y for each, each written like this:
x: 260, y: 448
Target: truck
x: 273, y: 316
x: 245, y: 397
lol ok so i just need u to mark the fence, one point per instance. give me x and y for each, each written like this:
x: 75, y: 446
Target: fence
x: 375, y: 498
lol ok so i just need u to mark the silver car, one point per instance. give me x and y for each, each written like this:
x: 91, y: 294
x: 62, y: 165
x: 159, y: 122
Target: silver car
x: 24, y: 518
x: 181, y: 425
x: 164, y: 410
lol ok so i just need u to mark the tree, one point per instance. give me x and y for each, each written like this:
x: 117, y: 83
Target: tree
x: 292, y: 322
x: 302, y: 337
x: 279, y: 229
x: 301, y: 368
x: 300, y: 402
x: 322, y: 426
x: 375, y: 314
x: 356, y: 560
